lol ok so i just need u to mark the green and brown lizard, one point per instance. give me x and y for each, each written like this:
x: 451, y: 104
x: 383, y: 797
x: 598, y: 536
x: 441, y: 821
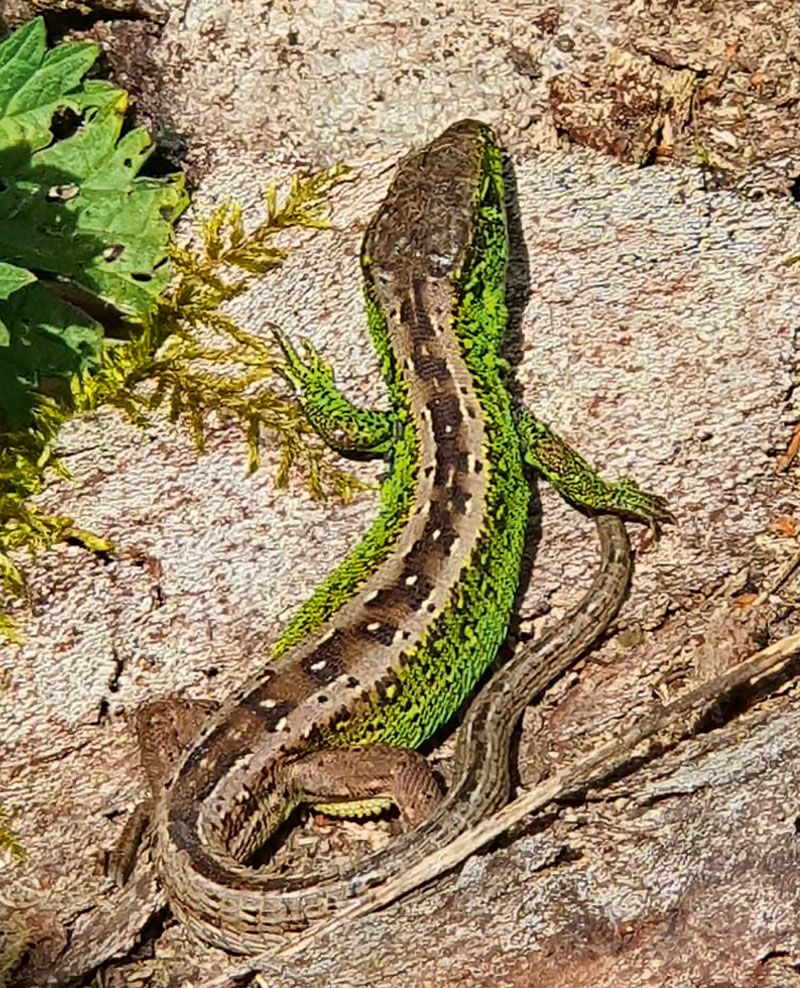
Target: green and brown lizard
x: 393, y: 642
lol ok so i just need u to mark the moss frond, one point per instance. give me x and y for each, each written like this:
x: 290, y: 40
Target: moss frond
x: 25, y: 456
x: 193, y: 357
x: 199, y: 359
x: 8, y: 841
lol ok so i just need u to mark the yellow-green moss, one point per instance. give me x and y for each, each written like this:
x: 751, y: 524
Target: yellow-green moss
x: 190, y: 354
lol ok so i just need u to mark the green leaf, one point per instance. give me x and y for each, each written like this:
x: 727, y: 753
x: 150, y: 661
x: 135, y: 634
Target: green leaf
x: 34, y: 83
x: 72, y: 209
x: 19, y: 56
x: 48, y: 336
x: 60, y: 70
x: 13, y: 278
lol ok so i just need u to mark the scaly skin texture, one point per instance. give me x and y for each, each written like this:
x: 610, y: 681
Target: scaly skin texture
x: 466, y: 818
x: 395, y: 639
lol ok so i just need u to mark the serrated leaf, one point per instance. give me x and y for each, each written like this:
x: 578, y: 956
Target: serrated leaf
x: 12, y: 278
x: 34, y: 83
x: 60, y: 70
x: 47, y: 337
x: 19, y: 56
x: 73, y: 208
x: 100, y: 92
x: 48, y: 333
x: 92, y: 145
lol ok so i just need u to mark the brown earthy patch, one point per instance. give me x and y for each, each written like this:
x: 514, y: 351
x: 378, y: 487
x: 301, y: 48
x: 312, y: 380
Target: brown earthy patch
x: 629, y: 107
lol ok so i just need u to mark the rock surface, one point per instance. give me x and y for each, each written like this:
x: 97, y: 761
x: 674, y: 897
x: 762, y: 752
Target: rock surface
x: 656, y: 332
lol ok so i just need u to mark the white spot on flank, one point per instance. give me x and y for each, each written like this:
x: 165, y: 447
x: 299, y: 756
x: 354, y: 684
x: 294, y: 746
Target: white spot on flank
x: 411, y: 580
x: 373, y: 626
x: 268, y: 704
x: 448, y: 429
x: 282, y: 724
x: 436, y: 534
x: 316, y: 666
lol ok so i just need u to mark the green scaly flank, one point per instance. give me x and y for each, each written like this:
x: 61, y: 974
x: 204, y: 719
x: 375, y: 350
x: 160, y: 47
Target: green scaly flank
x: 367, y: 431
x: 444, y: 666
x: 452, y: 655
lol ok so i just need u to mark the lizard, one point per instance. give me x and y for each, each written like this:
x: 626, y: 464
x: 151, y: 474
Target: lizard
x: 395, y: 639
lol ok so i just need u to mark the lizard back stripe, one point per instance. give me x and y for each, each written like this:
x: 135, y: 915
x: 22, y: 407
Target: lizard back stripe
x: 397, y: 658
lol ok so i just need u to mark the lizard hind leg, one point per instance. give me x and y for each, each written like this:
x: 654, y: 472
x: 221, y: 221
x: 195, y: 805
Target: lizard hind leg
x: 362, y: 781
